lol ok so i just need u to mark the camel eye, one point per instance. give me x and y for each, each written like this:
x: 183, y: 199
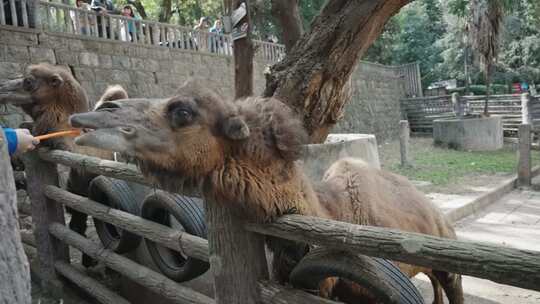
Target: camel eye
x: 181, y: 117
x: 29, y: 84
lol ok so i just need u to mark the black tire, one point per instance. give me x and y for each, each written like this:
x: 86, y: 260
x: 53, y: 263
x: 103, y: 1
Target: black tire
x: 381, y: 278
x: 115, y: 194
x: 180, y: 212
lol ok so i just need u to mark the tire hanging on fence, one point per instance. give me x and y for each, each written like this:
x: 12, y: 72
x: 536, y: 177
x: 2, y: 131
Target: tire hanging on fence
x: 116, y: 194
x: 380, y: 280
x: 178, y: 212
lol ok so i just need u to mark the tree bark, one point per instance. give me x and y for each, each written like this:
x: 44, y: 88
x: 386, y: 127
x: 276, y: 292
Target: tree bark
x: 312, y: 77
x: 243, y: 54
x: 165, y: 11
x: 14, y: 268
x: 288, y: 14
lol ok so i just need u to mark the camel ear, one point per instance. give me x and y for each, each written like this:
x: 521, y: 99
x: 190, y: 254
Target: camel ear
x: 236, y: 128
x: 56, y: 80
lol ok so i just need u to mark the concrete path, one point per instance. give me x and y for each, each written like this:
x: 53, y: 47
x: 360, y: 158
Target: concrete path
x: 512, y: 221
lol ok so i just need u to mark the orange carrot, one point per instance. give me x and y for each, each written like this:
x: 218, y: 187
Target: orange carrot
x: 73, y: 132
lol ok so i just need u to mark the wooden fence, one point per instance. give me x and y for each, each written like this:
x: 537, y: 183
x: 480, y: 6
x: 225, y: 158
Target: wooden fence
x: 420, y: 112
x: 53, y: 240
x: 61, y: 18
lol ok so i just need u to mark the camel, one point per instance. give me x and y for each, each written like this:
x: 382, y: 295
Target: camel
x: 50, y: 94
x: 244, y: 154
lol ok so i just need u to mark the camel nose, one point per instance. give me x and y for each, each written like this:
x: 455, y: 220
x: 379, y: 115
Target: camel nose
x: 129, y: 132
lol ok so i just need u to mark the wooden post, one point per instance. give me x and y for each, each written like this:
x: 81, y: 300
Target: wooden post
x: 456, y: 103
x: 404, y: 142
x: 526, y: 113
x: 14, y: 270
x: 524, y: 162
x: 237, y: 257
x: 39, y: 174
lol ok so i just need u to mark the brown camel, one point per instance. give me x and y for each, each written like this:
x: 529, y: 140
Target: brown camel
x: 50, y: 94
x: 243, y: 154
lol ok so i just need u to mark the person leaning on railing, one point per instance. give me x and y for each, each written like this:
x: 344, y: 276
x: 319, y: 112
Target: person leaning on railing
x: 19, y: 140
x: 83, y: 21
x: 103, y: 8
x: 127, y: 11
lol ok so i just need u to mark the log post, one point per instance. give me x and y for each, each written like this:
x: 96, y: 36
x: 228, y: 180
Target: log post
x: 526, y: 113
x: 39, y: 174
x: 237, y: 257
x: 404, y: 135
x: 456, y: 104
x: 524, y: 162
x: 14, y: 268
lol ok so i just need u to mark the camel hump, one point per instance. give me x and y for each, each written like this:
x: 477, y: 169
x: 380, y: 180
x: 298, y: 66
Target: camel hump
x: 346, y: 165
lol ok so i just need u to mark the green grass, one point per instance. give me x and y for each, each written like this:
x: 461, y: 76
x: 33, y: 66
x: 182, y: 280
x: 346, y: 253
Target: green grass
x: 443, y: 166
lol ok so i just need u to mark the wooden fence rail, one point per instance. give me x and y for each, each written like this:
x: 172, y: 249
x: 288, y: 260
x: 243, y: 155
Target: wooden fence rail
x: 505, y: 265
x: 515, y: 267
x: 422, y: 111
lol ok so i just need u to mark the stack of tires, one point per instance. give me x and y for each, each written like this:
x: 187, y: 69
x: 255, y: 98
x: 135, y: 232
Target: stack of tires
x: 381, y: 281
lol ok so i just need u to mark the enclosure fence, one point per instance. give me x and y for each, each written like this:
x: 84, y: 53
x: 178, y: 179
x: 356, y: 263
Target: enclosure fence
x: 421, y: 111
x: 61, y: 18
x: 53, y: 239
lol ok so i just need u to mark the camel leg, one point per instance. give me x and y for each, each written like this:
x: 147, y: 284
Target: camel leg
x: 451, y: 283
x: 437, y: 290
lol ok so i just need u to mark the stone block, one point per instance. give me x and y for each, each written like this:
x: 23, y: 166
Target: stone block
x: 151, y: 65
x: 18, y: 38
x: 137, y: 63
x: 142, y: 77
x: 67, y: 57
x: 319, y: 157
x: 92, y: 45
x: 469, y: 134
x: 10, y: 70
x: 120, y: 76
x: 121, y: 62
x: 105, y: 61
x: 14, y: 53
x: 54, y: 42
x: 76, y: 45
x: 38, y: 55
x: 84, y: 74
x: 89, y: 59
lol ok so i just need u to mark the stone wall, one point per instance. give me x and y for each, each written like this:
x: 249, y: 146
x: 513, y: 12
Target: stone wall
x: 157, y: 72
x: 374, y: 107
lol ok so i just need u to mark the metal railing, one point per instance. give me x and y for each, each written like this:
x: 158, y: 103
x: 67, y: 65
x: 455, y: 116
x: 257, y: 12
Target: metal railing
x: 61, y: 18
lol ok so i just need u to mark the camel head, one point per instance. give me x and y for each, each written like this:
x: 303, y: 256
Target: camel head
x: 45, y: 87
x: 49, y: 94
x: 194, y: 133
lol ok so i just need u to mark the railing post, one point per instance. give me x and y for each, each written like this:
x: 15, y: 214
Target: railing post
x: 237, y: 257
x: 404, y: 135
x: 39, y: 174
x: 526, y: 113
x: 524, y: 162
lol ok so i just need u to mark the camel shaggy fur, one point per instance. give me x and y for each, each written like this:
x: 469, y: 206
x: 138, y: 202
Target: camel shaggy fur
x: 243, y: 154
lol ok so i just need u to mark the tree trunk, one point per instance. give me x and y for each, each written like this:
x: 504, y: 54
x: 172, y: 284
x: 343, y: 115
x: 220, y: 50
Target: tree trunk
x: 165, y: 11
x: 312, y: 77
x: 286, y: 11
x: 14, y: 267
x: 243, y: 54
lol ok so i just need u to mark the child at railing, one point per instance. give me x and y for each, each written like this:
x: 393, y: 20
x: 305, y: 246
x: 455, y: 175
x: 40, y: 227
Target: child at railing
x: 84, y: 24
x: 19, y: 140
x: 127, y: 11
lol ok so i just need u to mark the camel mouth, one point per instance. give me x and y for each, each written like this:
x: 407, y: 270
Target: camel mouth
x: 101, y: 132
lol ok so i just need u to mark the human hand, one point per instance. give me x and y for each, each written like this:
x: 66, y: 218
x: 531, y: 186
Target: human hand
x: 25, y: 141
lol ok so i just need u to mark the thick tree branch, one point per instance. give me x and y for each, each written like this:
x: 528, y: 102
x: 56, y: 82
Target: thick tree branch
x: 313, y: 76
x: 287, y: 12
